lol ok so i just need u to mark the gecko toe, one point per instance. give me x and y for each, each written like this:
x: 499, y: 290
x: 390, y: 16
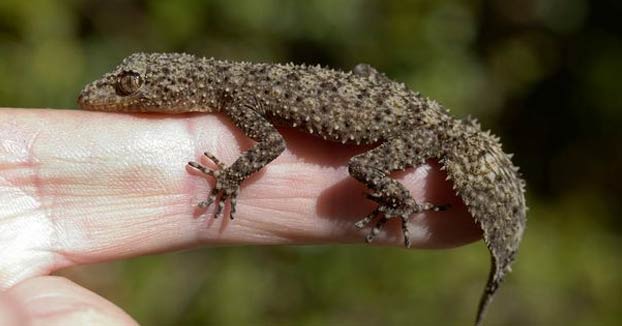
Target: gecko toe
x: 406, y: 232
x: 213, y: 158
x: 220, y: 196
x: 234, y: 201
x: 201, y: 168
x: 432, y: 207
x: 366, y: 220
x: 219, y: 207
x: 375, y: 196
x: 210, y: 199
x: 376, y: 229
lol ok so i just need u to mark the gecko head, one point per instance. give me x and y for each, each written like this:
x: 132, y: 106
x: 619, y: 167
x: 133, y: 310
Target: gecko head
x: 144, y: 82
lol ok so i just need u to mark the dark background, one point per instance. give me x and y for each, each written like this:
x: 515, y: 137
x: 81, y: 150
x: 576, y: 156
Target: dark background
x: 542, y: 74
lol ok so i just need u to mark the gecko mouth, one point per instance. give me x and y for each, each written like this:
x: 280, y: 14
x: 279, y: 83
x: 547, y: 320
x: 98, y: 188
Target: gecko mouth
x: 85, y: 103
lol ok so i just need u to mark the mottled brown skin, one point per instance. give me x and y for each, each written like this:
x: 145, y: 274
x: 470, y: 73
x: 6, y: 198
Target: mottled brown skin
x: 360, y: 107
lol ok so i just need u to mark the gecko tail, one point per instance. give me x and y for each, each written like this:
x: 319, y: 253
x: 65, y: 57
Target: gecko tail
x: 490, y: 186
x: 489, y: 291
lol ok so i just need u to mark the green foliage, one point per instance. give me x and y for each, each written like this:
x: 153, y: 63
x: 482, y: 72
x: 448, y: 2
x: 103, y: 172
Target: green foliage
x: 543, y: 74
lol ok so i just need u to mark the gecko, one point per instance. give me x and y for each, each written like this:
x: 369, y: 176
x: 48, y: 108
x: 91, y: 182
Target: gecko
x: 361, y: 106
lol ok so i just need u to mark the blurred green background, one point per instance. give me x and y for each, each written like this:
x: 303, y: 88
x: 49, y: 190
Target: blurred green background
x: 542, y: 74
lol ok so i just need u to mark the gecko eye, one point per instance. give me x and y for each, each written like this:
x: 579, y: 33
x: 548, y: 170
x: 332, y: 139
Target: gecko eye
x: 128, y: 83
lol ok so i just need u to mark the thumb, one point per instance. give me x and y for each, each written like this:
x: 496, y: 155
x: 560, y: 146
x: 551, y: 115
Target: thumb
x: 53, y: 300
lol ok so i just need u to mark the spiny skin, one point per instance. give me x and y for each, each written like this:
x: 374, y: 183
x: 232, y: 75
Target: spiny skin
x: 360, y: 107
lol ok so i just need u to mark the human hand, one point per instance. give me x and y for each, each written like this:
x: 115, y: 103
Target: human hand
x: 84, y: 187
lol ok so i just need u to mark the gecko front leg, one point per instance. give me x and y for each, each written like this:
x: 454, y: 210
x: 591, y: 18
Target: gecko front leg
x: 270, y: 144
x: 372, y: 168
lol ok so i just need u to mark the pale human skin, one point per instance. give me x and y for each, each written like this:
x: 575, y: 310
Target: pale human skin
x: 84, y: 187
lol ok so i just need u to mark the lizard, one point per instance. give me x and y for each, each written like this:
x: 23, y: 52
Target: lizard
x: 361, y: 106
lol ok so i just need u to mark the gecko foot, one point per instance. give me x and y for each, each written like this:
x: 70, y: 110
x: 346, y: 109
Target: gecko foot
x: 387, y: 211
x: 226, y: 187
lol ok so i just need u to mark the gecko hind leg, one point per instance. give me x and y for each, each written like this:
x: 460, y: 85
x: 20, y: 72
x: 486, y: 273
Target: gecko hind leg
x: 372, y: 168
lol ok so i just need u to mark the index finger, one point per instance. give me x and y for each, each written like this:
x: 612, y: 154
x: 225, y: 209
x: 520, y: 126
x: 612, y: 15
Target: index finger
x: 83, y: 187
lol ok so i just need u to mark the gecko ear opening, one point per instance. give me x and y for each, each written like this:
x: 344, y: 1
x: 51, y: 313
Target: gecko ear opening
x: 128, y: 83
